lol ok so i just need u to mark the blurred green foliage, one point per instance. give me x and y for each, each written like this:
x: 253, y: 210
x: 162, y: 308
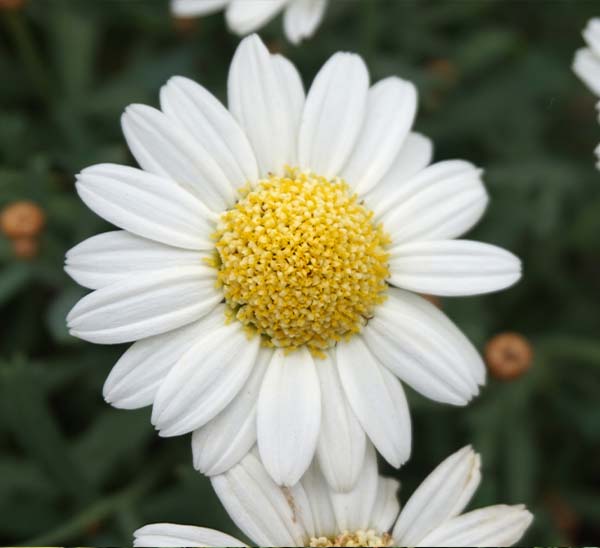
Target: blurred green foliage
x: 496, y: 88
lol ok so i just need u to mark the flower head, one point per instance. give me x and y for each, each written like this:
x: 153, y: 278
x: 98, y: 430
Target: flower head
x: 300, y: 17
x: 311, y: 514
x: 587, y: 63
x: 587, y: 60
x: 266, y: 264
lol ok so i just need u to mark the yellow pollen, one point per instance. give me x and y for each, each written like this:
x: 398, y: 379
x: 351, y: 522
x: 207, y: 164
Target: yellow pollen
x: 301, y: 261
x: 359, y: 538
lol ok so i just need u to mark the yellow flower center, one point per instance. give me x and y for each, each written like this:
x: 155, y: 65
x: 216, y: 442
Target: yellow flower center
x: 301, y: 260
x: 359, y: 538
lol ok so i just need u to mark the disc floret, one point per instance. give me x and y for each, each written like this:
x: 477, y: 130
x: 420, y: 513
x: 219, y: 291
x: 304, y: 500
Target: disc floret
x: 301, y: 260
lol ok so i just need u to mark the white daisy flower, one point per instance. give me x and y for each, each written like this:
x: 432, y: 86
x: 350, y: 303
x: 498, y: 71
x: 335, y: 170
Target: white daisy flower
x: 587, y: 60
x: 273, y: 304
x: 311, y: 514
x: 300, y: 17
x: 587, y: 63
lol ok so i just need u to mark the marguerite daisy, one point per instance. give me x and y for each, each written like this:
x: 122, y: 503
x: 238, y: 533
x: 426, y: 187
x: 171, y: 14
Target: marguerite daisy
x: 311, y: 514
x: 587, y: 63
x: 300, y: 17
x: 266, y: 262
x: 587, y: 60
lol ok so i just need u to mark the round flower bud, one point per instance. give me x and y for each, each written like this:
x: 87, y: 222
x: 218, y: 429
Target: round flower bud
x: 12, y: 5
x: 508, y: 355
x: 22, y: 219
x: 25, y: 247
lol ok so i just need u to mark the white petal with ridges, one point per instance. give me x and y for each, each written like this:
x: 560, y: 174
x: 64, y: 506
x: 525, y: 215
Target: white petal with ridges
x: 294, y: 91
x: 145, y: 305
x: 415, y: 341
x: 147, y: 205
x: 259, y: 101
x: 353, y: 510
x: 191, y: 8
x: 302, y: 17
x: 205, y: 380
x: 452, y: 267
x: 377, y: 400
x: 163, y: 147
x: 245, y: 16
x: 443, y: 495
x: 113, y: 256
x: 587, y: 66
x: 386, y: 508
x: 492, y: 526
x: 289, y: 415
x: 225, y: 440
x: 319, y: 497
x: 441, y: 202
x: 333, y: 115
x: 258, y: 506
x: 137, y: 376
x: 391, y: 108
x: 341, y: 446
x: 415, y: 155
x: 172, y: 535
x: 213, y: 126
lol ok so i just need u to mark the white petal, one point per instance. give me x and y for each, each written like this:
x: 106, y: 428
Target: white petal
x: 136, y: 377
x: 161, y: 146
x: 147, y: 205
x: 491, y: 526
x: 587, y: 66
x: 353, y: 509
x: 259, y: 99
x: 377, y: 400
x: 213, y: 127
x: 289, y: 415
x: 391, y: 108
x: 145, y: 305
x: 441, y: 202
x: 415, y: 155
x: 443, y: 495
x: 334, y: 114
x: 113, y: 256
x: 386, y: 509
x: 294, y: 91
x: 258, y: 506
x: 189, y: 8
x: 229, y: 437
x: 416, y: 341
x: 319, y: 493
x: 341, y: 447
x: 205, y: 380
x: 452, y: 267
x: 245, y: 16
x: 591, y: 34
x: 302, y: 17
x: 170, y: 534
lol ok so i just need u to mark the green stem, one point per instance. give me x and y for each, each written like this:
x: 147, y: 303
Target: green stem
x: 25, y: 45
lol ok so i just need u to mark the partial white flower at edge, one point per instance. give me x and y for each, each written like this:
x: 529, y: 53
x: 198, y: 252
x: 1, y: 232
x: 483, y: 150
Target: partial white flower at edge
x: 300, y: 17
x: 322, y: 260
x: 587, y: 63
x: 311, y: 514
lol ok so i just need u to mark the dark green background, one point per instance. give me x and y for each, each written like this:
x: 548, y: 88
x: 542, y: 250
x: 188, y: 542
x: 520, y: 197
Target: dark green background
x: 495, y: 87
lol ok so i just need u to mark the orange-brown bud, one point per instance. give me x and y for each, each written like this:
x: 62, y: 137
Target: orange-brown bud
x: 22, y: 219
x: 25, y: 247
x: 185, y: 25
x: 508, y: 356
x: 444, y: 69
x: 11, y: 4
